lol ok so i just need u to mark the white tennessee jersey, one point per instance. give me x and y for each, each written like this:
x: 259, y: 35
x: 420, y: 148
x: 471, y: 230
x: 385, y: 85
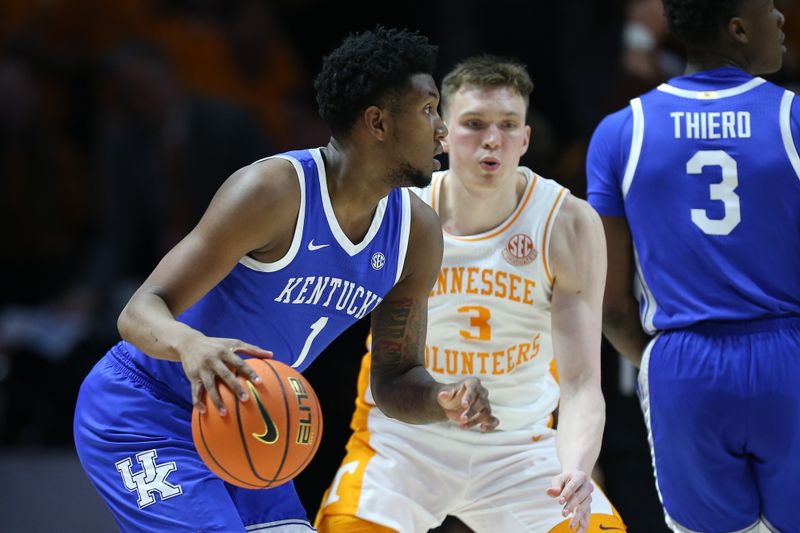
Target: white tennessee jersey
x: 489, y: 311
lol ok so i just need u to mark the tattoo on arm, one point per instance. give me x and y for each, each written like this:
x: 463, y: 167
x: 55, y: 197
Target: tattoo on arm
x: 400, y: 383
x: 395, y: 328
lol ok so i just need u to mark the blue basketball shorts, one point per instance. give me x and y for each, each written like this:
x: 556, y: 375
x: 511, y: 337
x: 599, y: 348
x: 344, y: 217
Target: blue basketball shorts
x: 722, y: 407
x: 134, y: 439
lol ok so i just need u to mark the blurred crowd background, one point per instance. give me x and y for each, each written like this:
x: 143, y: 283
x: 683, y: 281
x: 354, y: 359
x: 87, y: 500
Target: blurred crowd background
x: 120, y: 118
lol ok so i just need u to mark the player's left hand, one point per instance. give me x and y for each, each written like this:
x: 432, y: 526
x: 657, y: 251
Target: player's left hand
x: 574, y: 491
x: 467, y: 402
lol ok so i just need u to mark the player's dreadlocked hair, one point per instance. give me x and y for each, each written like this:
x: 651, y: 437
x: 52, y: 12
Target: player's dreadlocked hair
x: 698, y: 21
x: 487, y: 71
x: 368, y: 69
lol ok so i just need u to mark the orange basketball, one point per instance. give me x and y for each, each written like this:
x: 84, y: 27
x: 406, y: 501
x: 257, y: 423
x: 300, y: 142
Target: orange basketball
x: 267, y: 440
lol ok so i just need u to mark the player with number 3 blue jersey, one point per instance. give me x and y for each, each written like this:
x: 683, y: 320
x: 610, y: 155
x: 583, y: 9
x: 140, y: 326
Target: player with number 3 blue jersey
x: 698, y: 184
x: 291, y: 251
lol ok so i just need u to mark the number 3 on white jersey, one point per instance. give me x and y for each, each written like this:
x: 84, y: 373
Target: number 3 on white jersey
x: 723, y: 191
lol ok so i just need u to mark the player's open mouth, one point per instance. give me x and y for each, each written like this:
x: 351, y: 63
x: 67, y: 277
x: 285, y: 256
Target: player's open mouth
x: 489, y: 163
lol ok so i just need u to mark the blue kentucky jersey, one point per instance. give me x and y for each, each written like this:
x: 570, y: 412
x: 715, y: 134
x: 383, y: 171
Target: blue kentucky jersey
x: 296, y: 306
x: 706, y: 170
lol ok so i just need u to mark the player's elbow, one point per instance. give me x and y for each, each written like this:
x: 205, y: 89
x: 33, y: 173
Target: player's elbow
x: 124, y: 323
x: 612, y: 316
x: 580, y: 383
x: 584, y: 396
x: 129, y: 317
x: 401, y: 398
x: 385, y: 403
x: 618, y: 315
x: 381, y: 394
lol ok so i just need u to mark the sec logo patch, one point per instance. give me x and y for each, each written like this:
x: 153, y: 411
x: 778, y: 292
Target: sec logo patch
x: 378, y: 260
x: 520, y: 251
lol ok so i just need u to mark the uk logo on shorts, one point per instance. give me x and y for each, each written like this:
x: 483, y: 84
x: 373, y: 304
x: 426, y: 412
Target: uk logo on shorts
x: 520, y: 251
x: 378, y: 260
x: 150, y: 479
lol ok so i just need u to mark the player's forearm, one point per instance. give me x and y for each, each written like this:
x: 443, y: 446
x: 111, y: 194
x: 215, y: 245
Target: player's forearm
x: 621, y: 324
x: 410, y: 396
x: 581, y: 419
x: 147, y: 323
x: 401, y: 386
x: 622, y: 328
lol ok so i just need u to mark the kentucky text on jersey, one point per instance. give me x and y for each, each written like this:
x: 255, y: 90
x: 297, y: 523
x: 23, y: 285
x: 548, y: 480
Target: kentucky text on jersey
x: 484, y: 281
x: 711, y: 125
x: 351, y: 298
x: 467, y: 363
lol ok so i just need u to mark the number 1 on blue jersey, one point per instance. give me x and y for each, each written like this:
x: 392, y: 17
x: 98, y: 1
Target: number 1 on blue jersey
x: 316, y: 328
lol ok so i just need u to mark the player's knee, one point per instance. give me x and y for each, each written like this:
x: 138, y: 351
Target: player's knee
x: 337, y: 523
x: 598, y: 523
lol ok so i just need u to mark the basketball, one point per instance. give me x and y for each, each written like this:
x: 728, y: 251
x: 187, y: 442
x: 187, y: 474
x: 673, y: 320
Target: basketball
x: 267, y: 440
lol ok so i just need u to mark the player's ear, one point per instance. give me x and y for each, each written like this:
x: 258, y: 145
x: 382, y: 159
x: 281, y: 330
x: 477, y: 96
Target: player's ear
x: 738, y: 31
x: 375, y: 121
x: 527, y: 143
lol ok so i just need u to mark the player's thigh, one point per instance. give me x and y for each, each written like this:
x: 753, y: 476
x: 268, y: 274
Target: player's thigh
x: 164, y: 489
x: 149, y: 475
x: 395, y: 480
x: 510, y: 491
x: 693, y: 396
x: 775, y: 426
x: 536, y: 514
x: 352, y: 524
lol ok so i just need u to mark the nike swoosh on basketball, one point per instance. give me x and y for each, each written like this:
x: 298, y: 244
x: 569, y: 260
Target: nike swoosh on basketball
x: 270, y: 434
x: 312, y: 247
x: 609, y: 528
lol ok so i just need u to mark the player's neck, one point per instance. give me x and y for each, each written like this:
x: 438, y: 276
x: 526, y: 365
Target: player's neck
x: 354, y: 197
x: 701, y: 59
x: 467, y: 208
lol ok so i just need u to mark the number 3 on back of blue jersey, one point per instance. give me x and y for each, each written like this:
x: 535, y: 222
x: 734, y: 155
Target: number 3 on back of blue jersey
x: 722, y: 191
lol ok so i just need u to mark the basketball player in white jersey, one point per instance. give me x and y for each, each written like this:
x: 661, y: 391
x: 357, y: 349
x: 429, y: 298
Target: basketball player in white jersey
x: 519, y: 292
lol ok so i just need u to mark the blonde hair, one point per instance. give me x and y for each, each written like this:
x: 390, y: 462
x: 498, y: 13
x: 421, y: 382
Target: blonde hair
x: 487, y: 71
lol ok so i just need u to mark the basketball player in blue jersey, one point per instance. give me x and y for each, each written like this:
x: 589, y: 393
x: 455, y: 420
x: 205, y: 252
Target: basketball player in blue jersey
x: 291, y: 251
x: 698, y: 185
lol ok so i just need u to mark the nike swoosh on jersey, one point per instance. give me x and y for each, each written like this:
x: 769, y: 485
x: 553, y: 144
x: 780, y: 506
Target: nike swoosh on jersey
x: 312, y: 247
x: 270, y: 434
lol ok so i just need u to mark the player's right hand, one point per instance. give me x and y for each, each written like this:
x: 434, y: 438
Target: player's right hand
x: 467, y: 402
x: 574, y: 491
x: 209, y: 358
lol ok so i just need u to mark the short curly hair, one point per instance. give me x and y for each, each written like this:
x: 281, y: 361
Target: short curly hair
x: 367, y: 69
x: 484, y: 71
x: 699, y: 21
